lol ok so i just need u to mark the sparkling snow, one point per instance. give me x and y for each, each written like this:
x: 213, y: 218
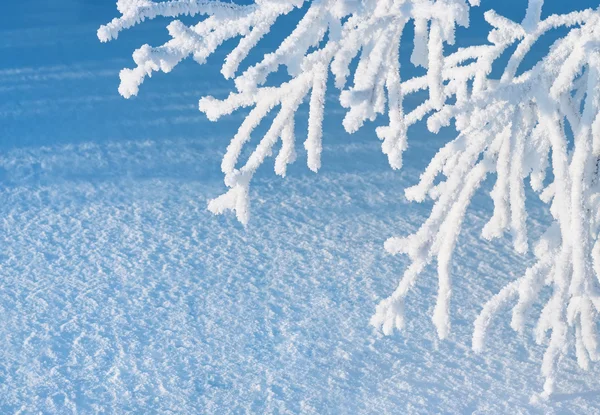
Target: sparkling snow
x: 121, y: 293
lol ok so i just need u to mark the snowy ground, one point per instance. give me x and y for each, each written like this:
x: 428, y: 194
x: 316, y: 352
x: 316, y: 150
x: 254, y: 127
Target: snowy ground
x: 120, y: 293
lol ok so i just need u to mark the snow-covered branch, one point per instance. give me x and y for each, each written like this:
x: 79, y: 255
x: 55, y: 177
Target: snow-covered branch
x: 330, y: 34
x: 517, y: 128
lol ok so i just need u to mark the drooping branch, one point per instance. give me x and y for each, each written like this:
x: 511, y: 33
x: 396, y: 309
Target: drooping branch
x: 519, y: 126
x: 330, y: 34
x: 516, y: 129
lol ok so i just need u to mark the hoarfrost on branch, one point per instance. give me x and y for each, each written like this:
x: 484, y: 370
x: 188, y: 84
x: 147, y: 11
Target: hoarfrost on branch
x: 539, y: 128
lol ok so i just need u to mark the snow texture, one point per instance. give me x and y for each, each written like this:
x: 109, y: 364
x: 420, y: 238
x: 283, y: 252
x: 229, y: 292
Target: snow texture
x: 539, y: 126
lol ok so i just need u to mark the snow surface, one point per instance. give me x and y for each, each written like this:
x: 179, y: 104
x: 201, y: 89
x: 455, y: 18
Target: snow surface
x: 120, y: 292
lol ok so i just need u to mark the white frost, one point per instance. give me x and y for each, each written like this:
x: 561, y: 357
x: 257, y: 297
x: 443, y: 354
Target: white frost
x: 513, y: 128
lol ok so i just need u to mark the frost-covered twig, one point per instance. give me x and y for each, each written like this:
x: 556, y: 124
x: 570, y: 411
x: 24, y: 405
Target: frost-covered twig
x: 518, y: 127
x: 330, y: 34
x: 515, y: 128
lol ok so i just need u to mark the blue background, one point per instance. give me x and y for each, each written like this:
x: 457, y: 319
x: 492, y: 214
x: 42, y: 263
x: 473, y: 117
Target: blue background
x: 120, y: 293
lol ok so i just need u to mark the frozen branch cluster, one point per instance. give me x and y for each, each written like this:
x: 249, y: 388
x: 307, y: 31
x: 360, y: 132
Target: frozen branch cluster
x: 540, y: 127
x: 329, y: 36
